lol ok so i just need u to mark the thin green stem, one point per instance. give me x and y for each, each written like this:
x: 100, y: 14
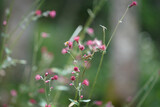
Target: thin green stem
x: 21, y: 33
x: 46, y: 93
x: 142, y: 89
x: 95, y: 80
x: 148, y: 91
x: 91, y: 18
x: 99, y: 68
x: 33, y: 5
x: 87, y: 65
x: 115, y: 29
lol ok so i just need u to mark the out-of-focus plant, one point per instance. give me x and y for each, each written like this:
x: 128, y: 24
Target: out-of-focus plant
x: 44, y: 77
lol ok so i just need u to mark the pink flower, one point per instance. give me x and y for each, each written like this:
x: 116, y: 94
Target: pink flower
x: 47, y: 105
x: 55, y: 77
x: 64, y: 51
x: 76, y: 69
x: 47, y: 81
x: 98, y: 103
x: 73, y: 78
x: 44, y: 35
x: 46, y: 74
x: 32, y: 101
x: 89, y: 42
x: 41, y: 90
x: 134, y: 3
x: 85, y: 82
x: 70, y: 84
x: 90, y: 31
x: 70, y: 44
x: 4, y: 22
x: 102, y: 47
x: 97, y: 42
x: 129, y: 99
x: 81, y: 96
x: 72, y: 72
x: 109, y: 104
x: 77, y: 39
x: 4, y: 105
x: 37, y: 77
x: 51, y: 88
x: 13, y: 93
x: 43, y: 49
x: 38, y: 12
x: 87, y: 64
x: 52, y: 13
x: 81, y: 47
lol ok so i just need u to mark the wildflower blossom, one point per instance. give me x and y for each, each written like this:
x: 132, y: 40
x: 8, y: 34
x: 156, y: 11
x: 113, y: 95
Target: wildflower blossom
x: 77, y: 39
x: 47, y: 81
x: 76, y: 69
x: 70, y: 84
x: 98, y: 103
x: 41, y: 90
x: 32, y: 101
x: 102, y: 47
x: 64, y: 51
x: 55, y: 77
x: 109, y: 104
x: 37, y: 77
x: 70, y: 44
x: 44, y: 35
x: 85, y: 82
x: 46, y: 74
x: 73, y: 78
x: 13, y: 93
x: 89, y: 42
x: 47, y: 105
x: 81, y: 96
x: 51, y: 88
x: 4, y: 105
x: 52, y: 13
x: 81, y: 47
x: 134, y: 3
x: 4, y: 22
x: 38, y: 12
x: 90, y: 31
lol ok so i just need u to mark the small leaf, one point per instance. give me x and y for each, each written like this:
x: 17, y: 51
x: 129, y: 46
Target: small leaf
x: 73, y: 102
x: 85, y: 101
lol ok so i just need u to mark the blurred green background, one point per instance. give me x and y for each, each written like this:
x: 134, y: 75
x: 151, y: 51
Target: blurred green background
x: 72, y: 13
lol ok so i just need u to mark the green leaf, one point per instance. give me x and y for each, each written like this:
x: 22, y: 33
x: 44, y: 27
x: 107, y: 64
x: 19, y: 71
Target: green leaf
x: 85, y: 101
x: 73, y: 102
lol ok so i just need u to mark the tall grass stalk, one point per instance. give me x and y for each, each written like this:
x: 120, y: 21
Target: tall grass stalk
x: 151, y: 81
x: 100, y: 64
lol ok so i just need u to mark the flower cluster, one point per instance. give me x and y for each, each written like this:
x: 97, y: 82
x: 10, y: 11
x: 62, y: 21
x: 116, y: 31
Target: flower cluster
x: 45, y: 79
x: 52, y: 13
x: 86, y: 50
x: 96, y: 45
